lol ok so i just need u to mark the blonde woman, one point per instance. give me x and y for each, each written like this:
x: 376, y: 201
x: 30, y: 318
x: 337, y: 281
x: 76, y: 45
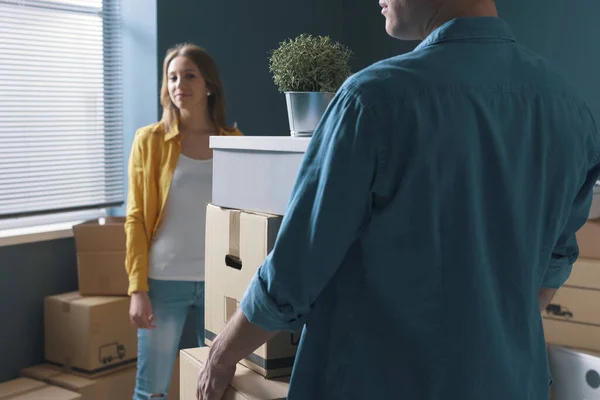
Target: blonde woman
x: 170, y: 173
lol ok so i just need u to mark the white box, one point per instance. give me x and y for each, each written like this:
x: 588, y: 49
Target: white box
x: 255, y: 173
x: 576, y: 374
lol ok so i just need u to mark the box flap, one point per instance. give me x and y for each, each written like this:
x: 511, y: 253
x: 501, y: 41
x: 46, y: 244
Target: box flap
x: 71, y: 382
x: 50, y: 393
x: 247, y: 383
x: 65, y: 297
x: 68, y: 300
x: 279, y: 144
x: 104, y: 234
x: 227, y: 210
x: 102, y: 221
x: 19, y: 386
x: 93, y: 301
x: 41, y: 372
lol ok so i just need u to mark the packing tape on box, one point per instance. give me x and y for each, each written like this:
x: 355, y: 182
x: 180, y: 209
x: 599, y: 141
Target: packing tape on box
x: 232, y: 258
x: 234, y: 233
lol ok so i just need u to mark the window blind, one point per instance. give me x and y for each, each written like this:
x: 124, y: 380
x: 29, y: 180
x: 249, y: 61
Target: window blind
x: 61, y: 142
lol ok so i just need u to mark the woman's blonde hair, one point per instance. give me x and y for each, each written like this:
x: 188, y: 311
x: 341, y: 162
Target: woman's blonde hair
x: 210, y: 73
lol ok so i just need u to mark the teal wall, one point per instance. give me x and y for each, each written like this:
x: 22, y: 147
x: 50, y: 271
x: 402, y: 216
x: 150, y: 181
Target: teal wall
x: 566, y: 33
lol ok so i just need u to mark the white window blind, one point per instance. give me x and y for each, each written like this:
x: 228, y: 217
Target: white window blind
x: 61, y: 142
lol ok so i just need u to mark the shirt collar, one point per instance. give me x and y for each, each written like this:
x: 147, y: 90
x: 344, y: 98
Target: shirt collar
x: 174, y: 131
x: 468, y: 29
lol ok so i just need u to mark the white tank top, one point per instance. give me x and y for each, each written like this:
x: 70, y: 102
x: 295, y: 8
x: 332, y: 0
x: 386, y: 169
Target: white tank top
x: 177, y: 250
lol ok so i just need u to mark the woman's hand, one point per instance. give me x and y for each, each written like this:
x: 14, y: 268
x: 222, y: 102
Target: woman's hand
x: 140, y: 311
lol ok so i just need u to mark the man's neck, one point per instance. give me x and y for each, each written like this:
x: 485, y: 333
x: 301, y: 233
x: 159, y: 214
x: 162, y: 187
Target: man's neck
x: 449, y: 10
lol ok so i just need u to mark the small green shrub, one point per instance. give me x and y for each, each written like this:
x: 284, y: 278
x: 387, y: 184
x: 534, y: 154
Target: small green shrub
x: 310, y: 64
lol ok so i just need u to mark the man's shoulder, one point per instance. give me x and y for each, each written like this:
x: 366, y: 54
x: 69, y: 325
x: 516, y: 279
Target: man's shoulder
x: 399, y: 73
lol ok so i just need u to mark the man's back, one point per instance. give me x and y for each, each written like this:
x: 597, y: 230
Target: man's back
x: 482, y: 154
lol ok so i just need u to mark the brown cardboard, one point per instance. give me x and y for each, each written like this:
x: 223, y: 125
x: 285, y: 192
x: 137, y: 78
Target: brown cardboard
x: 102, y: 273
x: 100, y: 246
x: 237, y: 243
x: 585, y: 274
x: 31, y: 389
x: 49, y: 393
x: 106, y: 234
x: 246, y: 384
x: 588, y: 238
x: 117, y: 385
x: 19, y: 386
x: 88, y: 334
x: 572, y: 319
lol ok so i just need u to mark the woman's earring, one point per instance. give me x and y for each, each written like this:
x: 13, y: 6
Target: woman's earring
x: 208, y: 93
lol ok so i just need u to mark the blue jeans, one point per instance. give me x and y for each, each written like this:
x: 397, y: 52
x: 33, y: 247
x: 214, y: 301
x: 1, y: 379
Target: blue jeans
x: 158, y: 347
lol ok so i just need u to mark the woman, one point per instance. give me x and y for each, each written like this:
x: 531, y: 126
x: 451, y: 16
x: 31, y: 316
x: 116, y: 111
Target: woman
x: 170, y: 174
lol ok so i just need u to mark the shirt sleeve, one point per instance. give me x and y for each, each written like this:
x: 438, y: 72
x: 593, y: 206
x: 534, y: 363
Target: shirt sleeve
x: 566, y: 250
x: 329, y: 204
x: 136, y: 254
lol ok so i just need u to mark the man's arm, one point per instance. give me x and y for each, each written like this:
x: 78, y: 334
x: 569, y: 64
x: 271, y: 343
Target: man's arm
x: 238, y: 339
x: 329, y: 205
x: 545, y: 296
x: 566, y: 250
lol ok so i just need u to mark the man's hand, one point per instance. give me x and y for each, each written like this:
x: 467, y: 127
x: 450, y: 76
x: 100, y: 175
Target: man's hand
x: 237, y: 339
x: 213, y: 380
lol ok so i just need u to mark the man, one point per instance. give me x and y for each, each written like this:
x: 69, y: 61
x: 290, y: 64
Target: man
x: 434, y: 215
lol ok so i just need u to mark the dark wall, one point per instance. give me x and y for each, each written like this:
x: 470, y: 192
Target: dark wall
x: 566, y: 33
x: 239, y: 35
x: 364, y: 32
x: 30, y: 272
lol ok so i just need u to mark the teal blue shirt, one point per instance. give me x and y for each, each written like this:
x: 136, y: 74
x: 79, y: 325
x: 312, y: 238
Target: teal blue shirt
x: 441, y: 190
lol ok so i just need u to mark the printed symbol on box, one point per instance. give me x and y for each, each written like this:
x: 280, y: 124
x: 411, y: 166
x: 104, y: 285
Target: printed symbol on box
x: 110, y: 352
x: 558, y: 311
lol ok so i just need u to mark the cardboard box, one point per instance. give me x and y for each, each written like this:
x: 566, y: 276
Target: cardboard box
x: 30, y: 389
x: 246, y: 384
x: 256, y: 172
x: 88, y: 334
x: 588, y: 238
x: 237, y: 243
x: 585, y: 274
x: 572, y: 318
x: 118, y: 385
x: 100, y: 246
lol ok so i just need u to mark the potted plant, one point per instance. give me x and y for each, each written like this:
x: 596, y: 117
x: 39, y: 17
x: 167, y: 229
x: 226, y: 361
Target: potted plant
x: 309, y: 70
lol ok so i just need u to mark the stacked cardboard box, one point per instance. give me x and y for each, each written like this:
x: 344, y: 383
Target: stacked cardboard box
x: 90, y: 345
x: 572, y: 321
x: 237, y: 244
x: 100, y: 247
x: 246, y: 384
x: 30, y: 389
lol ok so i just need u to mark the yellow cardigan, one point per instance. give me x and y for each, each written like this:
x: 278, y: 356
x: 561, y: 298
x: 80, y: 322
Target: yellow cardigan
x: 152, y: 162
